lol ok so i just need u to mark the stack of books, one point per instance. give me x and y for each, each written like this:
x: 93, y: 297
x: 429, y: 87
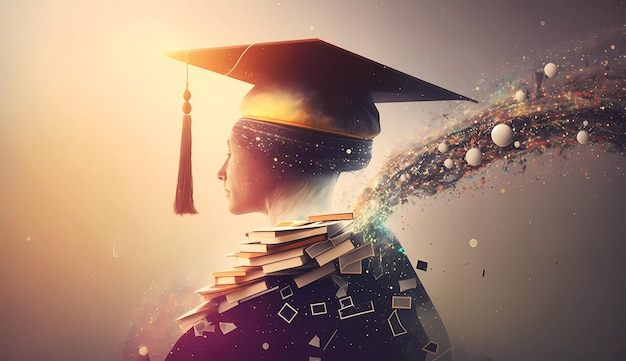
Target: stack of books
x: 303, y: 249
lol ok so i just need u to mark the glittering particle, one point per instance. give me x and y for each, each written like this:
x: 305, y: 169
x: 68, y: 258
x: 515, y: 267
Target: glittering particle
x: 318, y: 308
x: 143, y: 350
x: 330, y: 339
x: 407, y: 284
x: 287, y: 313
x: 431, y: 347
x: 346, y: 302
x: 266, y: 346
x: 473, y: 242
x: 517, y: 144
x: 422, y: 265
x: 202, y: 326
x: 286, y: 292
x: 356, y: 310
x: 397, y: 328
x: 227, y: 327
x: 315, y: 342
x: 401, y: 302
x: 348, y: 151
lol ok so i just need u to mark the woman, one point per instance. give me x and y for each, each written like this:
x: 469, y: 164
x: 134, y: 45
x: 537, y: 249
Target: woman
x: 311, y: 116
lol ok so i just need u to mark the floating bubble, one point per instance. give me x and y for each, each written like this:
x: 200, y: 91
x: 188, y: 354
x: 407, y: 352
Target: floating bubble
x: 520, y: 96
x: 585, y: 123
x: 582, y: 137
x: 443, y: 147
x: 473, y: 242
x: 143, y: 350
x: 474, y: 157
x: 448, y: 163
x: 502, y: 135
x: 550, y: 70
x: 266, y: 346
x: 517, y: 144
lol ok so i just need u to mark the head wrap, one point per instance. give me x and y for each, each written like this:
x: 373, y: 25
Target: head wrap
x: 303, y: 150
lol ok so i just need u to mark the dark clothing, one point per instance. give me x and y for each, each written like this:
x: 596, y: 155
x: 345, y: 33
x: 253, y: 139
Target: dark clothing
x: 325, y: 321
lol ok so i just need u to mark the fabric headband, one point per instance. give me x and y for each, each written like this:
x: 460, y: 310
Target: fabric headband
x: 303, y: 150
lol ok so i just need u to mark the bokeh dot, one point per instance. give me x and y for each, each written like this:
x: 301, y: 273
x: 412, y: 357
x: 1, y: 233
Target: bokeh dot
x: 473, y: 242
x: 143, y: 351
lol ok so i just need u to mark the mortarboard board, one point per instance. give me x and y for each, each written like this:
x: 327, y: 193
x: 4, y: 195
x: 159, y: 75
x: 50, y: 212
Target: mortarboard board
x: 307, y: 84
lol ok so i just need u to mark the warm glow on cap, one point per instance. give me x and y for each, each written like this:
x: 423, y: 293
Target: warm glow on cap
x: 326, y: 111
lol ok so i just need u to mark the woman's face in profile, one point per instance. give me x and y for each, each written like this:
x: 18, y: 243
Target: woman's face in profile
x: 248, y: 183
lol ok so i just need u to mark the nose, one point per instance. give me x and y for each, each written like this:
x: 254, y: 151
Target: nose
x: 221, y: 173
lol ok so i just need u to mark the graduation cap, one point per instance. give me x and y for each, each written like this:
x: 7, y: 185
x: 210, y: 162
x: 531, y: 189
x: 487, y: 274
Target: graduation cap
x: 308, y: 84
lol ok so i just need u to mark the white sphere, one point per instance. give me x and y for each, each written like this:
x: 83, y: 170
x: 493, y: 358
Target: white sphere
x: 502, y: 135
x: 517, y: 144
x: 443, y: 147
x: 448, y: 163
x: 520, y: 96
x: 143, y: 351
x: 474, y: 157
x: 582, y: 137
x: 585, y: 123
x: 550, y: 70
x: 473, y: 242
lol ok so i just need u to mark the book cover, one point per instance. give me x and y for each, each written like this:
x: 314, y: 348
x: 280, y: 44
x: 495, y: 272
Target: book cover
x: 264, y: 248
x: 230, y: 280
x: 331, y: 217
x: 246, y: 291
x: 334, y: 253
x: 285, y: 264
x: 276, y: 237
x: 350, y: 263
x: 314, y: 275
x: 244, y: 259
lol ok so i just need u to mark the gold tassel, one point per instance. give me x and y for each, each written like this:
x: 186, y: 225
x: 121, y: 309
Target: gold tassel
x: 184, y: 188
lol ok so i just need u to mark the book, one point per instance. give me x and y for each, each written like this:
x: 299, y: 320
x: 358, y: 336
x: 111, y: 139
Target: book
x: 283, y: 230
x: 334, y: 252
x: 334, y: 228
x: 341, y: 237
x: 229, y: 280
x: 196, y: 314
x: 235, y: 272
x: 279, y: 235
x: 318, y: 248
x: 260, y: 259
x: 285, y: 264
x: 265, y: 248
x: 213, y: 291
x: 314, y: 275
x: 246, y: 291
x: 331, y: 217
x: 350, y: 262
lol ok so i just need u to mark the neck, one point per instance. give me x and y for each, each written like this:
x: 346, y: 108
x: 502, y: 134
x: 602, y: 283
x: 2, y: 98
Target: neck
x: 300, y: 199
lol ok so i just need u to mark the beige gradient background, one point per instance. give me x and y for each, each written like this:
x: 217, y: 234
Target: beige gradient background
x: 89, y: 132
